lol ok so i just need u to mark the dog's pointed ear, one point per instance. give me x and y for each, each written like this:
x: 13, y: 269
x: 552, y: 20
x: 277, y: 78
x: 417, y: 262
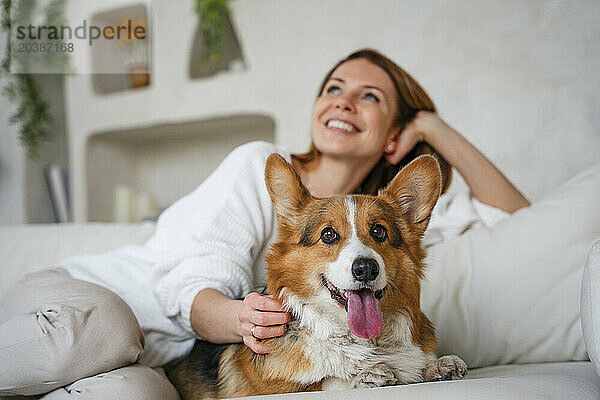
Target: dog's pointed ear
x: 285, y: 187
x: 416, y: 189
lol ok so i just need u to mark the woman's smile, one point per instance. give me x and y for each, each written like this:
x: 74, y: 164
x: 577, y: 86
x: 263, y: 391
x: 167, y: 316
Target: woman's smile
x: 341, y: 125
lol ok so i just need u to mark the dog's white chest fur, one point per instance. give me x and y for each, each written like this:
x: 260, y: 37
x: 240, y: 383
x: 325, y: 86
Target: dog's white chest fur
x: 346, y: 361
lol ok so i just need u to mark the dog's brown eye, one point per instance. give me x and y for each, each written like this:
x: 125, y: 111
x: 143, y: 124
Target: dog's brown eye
x: 329, y: 235
x: 378, y: 233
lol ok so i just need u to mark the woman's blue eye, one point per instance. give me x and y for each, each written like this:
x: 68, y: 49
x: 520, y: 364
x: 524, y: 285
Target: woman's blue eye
x: 333, y: 89
x: 372, y: 97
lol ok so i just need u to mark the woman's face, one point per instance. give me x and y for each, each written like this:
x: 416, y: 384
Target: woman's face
x: 354, y: 115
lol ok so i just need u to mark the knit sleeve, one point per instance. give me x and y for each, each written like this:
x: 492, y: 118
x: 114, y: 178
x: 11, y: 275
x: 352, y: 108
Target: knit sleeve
x: 212, y: 237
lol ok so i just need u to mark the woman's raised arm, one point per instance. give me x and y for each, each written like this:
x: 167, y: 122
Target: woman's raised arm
x: 486, y: 182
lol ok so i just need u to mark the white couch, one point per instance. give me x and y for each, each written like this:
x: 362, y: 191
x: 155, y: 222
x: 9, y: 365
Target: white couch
x: 505, y: 299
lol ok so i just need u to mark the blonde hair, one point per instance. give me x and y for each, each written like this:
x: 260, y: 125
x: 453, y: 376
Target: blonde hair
x: 411, y: 98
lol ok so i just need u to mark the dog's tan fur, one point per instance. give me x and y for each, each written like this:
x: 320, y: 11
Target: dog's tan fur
x: 318, y: 351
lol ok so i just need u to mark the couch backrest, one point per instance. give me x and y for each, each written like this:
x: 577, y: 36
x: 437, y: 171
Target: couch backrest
x: 30, y: 248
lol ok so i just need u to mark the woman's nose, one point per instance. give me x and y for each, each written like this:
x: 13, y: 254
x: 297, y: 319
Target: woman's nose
x: 344, y: 103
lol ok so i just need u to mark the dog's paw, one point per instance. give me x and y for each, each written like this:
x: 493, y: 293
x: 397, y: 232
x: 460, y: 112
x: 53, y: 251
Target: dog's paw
x: 445, y: 368
x: 378, y: 375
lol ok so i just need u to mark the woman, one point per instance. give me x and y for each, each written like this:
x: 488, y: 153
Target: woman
x: 370, y: 118
x: 392, y: 114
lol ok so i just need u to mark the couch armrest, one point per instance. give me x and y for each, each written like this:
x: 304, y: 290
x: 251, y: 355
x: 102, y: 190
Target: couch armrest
x: 590, y: 305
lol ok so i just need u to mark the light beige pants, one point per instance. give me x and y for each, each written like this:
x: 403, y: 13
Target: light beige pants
x: 73, y: 340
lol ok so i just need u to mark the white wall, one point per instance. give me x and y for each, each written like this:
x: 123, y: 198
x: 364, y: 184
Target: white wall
x: 12, y: 207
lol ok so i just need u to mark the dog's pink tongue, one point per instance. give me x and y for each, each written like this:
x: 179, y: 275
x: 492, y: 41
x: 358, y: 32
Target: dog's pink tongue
x: 365, y: 319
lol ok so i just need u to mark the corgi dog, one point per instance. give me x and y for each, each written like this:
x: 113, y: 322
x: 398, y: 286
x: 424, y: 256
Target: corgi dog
x: 348, y: 268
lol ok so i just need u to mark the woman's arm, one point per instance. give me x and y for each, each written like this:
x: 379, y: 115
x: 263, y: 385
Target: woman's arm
x: 219, y: 319
x: 486, y: 182
x: 214, y: 317
x: 207, y: 242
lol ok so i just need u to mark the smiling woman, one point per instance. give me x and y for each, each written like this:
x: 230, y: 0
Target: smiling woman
x: 369, y: 120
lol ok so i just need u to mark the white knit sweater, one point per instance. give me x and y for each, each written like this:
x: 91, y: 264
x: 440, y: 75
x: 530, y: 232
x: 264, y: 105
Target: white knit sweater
x: 216, y: 237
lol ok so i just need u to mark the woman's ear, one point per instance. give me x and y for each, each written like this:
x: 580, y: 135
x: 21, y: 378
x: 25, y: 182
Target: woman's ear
x: 394, y: 151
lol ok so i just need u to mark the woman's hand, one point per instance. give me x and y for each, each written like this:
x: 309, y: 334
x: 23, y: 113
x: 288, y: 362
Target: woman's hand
x: 417, y: 130
x: 266, y: 316
x: 219, y: 319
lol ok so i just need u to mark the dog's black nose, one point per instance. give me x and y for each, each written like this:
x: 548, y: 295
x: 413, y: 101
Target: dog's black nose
x: 365, y: 269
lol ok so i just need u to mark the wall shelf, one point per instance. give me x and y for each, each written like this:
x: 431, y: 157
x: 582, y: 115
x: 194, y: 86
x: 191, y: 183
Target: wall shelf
x: 164, y: 161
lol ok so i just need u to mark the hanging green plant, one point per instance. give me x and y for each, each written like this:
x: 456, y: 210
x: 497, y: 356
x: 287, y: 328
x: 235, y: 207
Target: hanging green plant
x: 32, y: 114
x: 213, y: 22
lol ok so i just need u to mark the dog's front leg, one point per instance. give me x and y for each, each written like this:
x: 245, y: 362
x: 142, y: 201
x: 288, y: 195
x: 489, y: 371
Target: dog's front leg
x: 445, y: 368
x: 375, y: 376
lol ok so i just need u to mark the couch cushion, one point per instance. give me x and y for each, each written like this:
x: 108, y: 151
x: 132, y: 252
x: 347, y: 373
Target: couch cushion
x: 510, y: 293
x: 551, y: 381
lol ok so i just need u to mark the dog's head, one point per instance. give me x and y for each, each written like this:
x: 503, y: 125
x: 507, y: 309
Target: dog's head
x: 352, y: 257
